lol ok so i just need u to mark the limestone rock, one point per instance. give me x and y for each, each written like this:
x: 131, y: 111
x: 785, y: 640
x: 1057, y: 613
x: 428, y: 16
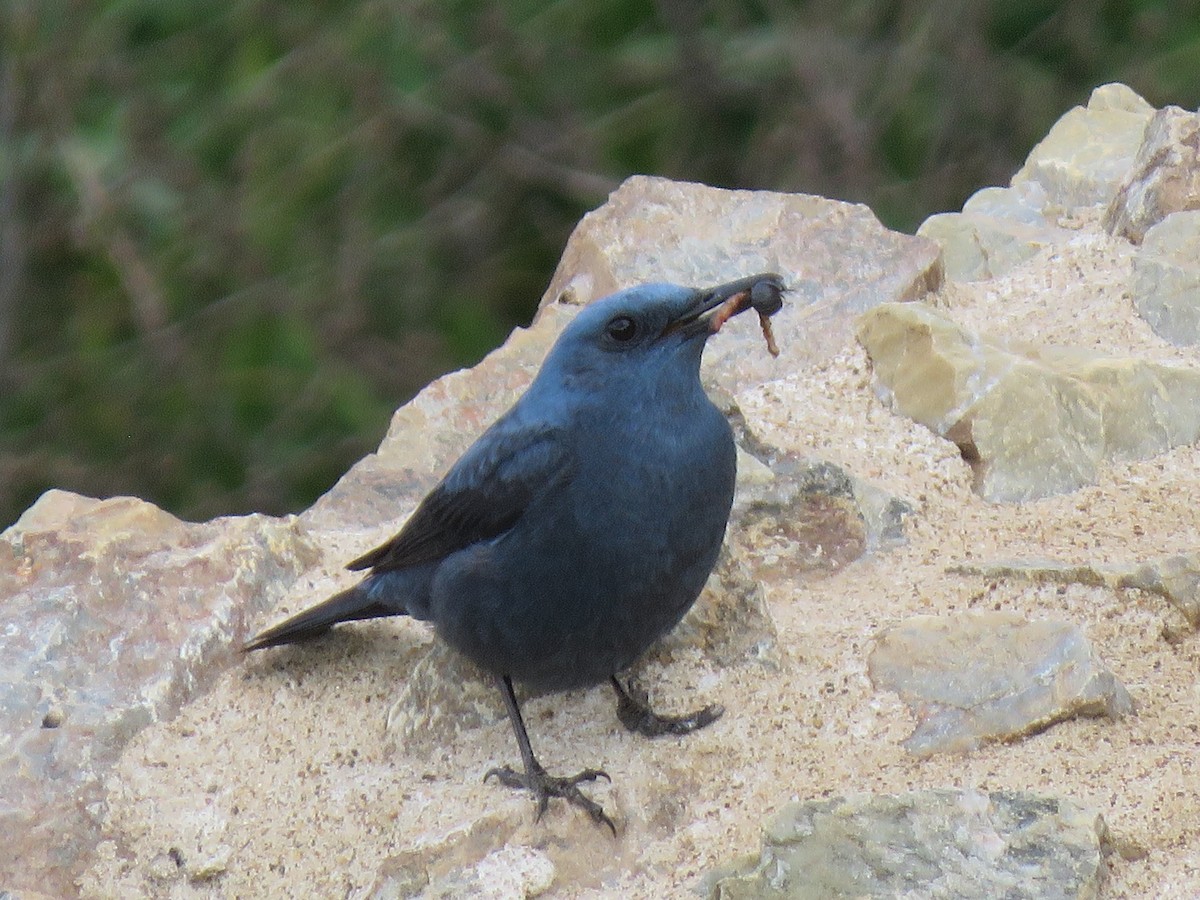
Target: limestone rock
x: 812, y: 516
x: 1031, y: 422
x: 997, y: 230
x: 1080, y: 164
x: 1087, y: 154
x: 114, y: 614
x: 1166, y: 278
x: 836, y: 258
x: 1175, y: 577
x: 1164, y: 179
x: 982, y: 677
x: 935, y: 844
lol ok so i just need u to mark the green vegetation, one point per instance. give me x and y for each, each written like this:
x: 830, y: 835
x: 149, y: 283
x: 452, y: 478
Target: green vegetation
x: 235, y: 235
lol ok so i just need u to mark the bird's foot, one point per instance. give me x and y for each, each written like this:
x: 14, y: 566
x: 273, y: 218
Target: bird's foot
x: 544, y: 786
x: 634, y: 711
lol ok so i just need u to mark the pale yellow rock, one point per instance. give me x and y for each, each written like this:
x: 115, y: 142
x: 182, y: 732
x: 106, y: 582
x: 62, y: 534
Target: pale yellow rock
x: 1031, y: 421
x: 1087, y: 153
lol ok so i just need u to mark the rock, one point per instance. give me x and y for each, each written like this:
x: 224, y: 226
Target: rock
x: 1031, y: 423
x: 836, y: 258
x: 1175, y: 577
x: 933, y: 844
x: 114, y: 614
x: 1164, y: 178
x: 1166, y: 278
x: 980, y: 677
x: 729, y: 624
x: 1087, y: 154
x: 997, y: 230
x: 455, y: 864
x: 1082, y: 163
x: 444, y: 695
x: 510, y: 873
x: 812, y: 516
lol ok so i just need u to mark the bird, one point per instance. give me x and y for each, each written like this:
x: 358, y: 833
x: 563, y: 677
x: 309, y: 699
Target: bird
x: 581, y: 526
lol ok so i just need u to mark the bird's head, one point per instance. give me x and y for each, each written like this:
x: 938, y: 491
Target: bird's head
x: 651, y: 332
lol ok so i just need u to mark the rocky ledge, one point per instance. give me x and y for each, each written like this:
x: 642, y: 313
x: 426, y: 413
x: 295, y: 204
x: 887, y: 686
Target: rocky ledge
x: 952, y: 628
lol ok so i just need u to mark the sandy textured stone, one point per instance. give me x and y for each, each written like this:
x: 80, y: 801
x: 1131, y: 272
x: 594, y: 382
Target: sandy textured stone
x: 997, y: 230
x: 836, y: 258
x: 114, y: 614
x: 991, y: 676
x: 812, y: 515
x: 1032, y: 421
x: 1090, y: 155
x: 934, y: 844
x: 314, y: 795
x: 1166, y: 278
x: 1175, y: 577
x: 1164, y: 178
x: 1087, y: 154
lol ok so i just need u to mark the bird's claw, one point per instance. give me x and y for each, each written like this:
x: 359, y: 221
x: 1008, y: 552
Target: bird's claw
x: 636, y: 715
x: 543, y: 786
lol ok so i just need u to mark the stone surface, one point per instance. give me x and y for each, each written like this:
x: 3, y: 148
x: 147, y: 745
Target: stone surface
x: 288, y: 761
x: 1175, y: 577
x: 1084, y: 162
x: 991, y: 676
x: 1087, y: 154
x: 114, y: 614
x: 1166, y: 278
x: 997, y: 230
x: 835, y: 258
x: 1164, y: 177
x: 935, y: 844
x: 1032, y: 421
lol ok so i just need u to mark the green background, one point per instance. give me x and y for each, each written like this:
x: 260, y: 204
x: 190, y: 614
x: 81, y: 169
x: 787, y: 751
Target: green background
x: 235, y: 235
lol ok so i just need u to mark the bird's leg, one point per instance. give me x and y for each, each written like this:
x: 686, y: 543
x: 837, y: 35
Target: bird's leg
x: 634, y: 711
x: 536, y: 779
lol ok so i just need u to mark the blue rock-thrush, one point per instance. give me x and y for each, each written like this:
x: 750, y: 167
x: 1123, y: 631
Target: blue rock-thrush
x: 582, y: 525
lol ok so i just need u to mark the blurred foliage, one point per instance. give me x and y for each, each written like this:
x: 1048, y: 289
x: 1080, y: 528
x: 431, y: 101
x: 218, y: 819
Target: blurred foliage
x: 235, y: 235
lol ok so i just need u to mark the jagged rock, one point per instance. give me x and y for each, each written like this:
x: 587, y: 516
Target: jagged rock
x: 836, y: 258
x: 1080, y: 163
x: 991, y: 676
x: 1166, y: 278
x: 934, y: 844
x: 114, y: 613
x: 1175, y: 577
x: 1164, y: 179
x: 811, y: 516
x: 997, y: 230
x: 1087, y: 153
x: 1032, y: 423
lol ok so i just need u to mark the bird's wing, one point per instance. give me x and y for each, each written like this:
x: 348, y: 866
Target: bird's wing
x: 482, y: 496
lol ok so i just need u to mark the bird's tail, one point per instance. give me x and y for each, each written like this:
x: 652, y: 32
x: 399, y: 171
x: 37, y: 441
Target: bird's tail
x: 351, y: 604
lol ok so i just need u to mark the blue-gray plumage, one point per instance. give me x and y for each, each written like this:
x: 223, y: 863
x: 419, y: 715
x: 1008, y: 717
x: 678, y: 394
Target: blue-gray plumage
x: 582, y: 525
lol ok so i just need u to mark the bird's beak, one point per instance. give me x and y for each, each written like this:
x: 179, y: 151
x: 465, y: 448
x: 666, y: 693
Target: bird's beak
x: 713, y: 307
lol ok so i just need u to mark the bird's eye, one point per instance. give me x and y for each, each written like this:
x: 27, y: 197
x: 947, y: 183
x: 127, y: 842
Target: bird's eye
x: 622, y: 329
